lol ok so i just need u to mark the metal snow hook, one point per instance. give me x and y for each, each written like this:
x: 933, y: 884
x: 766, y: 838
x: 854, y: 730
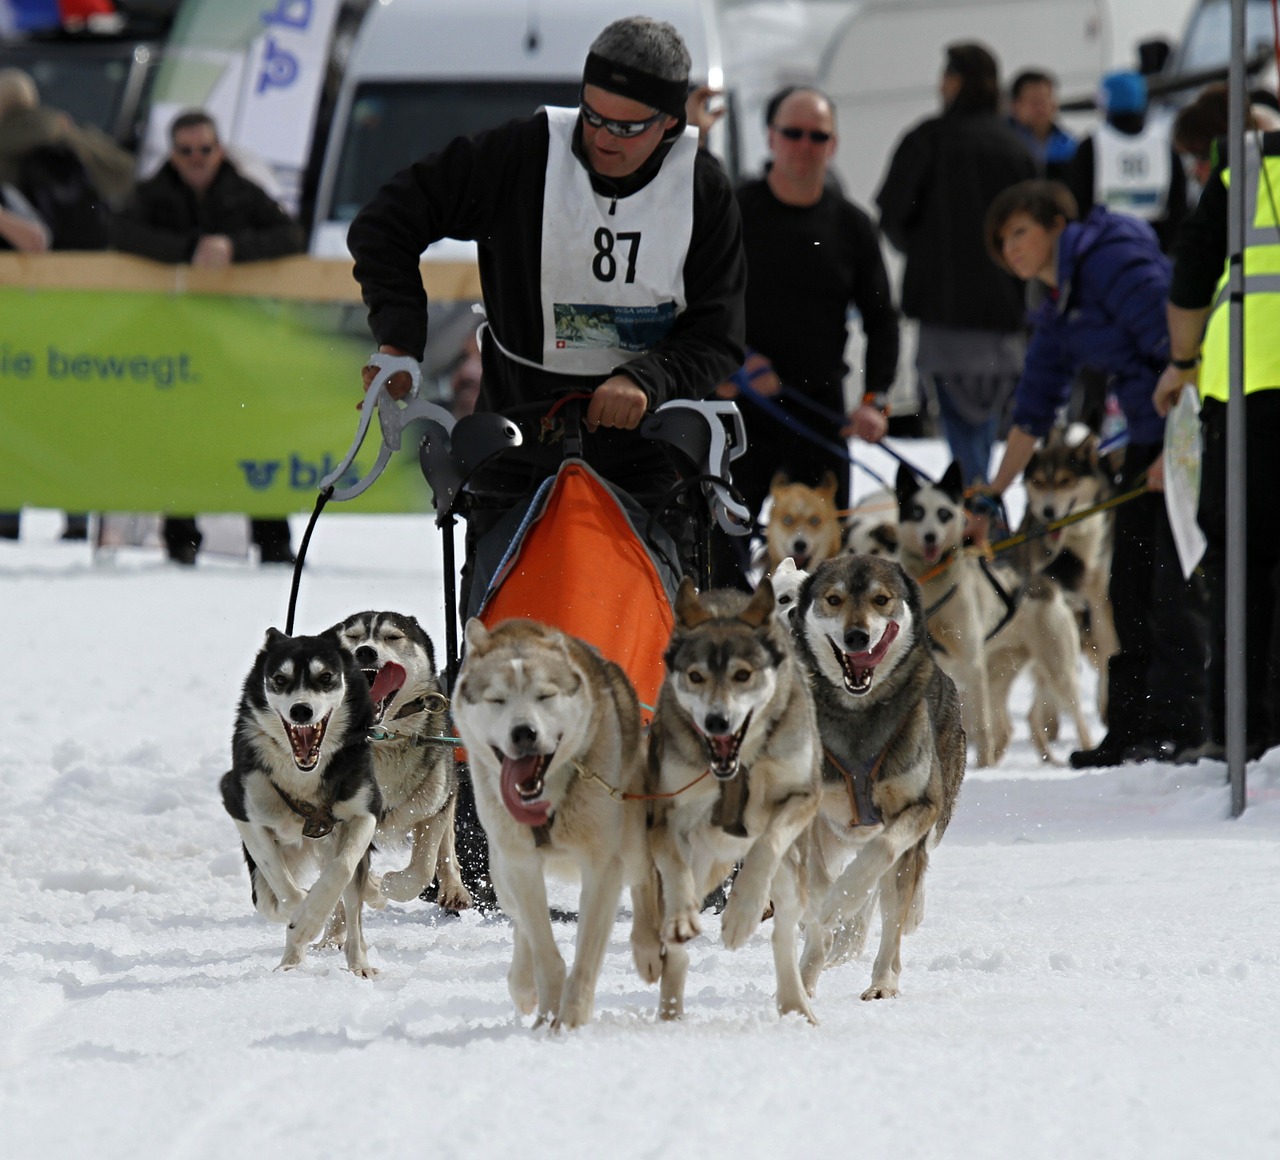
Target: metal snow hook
x: 393, y: 416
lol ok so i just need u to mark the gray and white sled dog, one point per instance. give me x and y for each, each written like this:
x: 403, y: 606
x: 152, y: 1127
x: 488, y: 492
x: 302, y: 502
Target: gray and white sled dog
x: 414, y: 767
x: 552, y: 731
x: 893, y: 760
x: 734, y: 773
x: 302, y: 791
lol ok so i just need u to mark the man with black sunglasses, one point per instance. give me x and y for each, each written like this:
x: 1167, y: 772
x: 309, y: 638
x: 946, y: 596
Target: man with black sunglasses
x: 609, y: 252
x: 811, y: 256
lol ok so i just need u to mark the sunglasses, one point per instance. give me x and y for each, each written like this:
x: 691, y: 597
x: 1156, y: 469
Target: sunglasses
x: 817, y: 136
x: 622, y: 129
x: 188, y: 150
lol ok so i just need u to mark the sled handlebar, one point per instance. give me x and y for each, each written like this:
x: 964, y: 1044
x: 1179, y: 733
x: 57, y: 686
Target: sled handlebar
x: 393, y: 417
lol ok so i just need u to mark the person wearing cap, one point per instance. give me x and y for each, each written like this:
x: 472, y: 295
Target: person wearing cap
x: 1128, y: 163
x: 608, y: 211
x: 941, y: 177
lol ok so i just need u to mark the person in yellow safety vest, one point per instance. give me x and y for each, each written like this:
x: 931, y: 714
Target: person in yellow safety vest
x: 1198, y: 331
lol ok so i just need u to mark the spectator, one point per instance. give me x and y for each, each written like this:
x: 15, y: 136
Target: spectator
x: 1199, y: 124
x: 1128, y: 163
x: 55, y: 181
x: 1105, y: 283
x: 199, y: 208
x: 943, y: 175
x: 549, y: 199
x: 1197, y: 320
x: 811, y: 255
x: 1033, y: 113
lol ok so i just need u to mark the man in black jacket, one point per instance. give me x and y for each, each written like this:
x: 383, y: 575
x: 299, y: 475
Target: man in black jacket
x: 610, y: 258
x: 943, y: 175
x: 811, y: 255
x: 199, y: 208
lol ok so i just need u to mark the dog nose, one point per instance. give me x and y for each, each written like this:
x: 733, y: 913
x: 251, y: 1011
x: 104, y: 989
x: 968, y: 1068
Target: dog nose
x: 716, y: 723
x: 300, y: 713
x: 523, y: 735
x: 856, y: 639
x: 366, y: 655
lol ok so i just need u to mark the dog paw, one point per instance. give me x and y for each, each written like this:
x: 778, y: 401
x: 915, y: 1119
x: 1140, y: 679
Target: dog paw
x: 401, y: 886
x: 648, y: 958
x: 365, y: 971
x: 453, y: 896
x: 880, y: 991
x: 741, y: 919
x: 682, y: 927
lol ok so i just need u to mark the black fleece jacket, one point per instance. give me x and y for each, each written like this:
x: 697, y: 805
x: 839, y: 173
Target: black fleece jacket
x: 489, y: 189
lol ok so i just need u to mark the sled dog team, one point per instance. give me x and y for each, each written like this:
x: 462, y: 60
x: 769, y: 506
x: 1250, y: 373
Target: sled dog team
x: 818, y: 752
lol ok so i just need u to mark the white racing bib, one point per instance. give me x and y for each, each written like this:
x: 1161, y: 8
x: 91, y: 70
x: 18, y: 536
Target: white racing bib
x: 612, y: 270
x: 1131, y: 174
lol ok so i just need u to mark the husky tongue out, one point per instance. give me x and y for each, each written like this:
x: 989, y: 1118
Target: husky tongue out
x: 522, y: 785
x: 859, y: 667
x: 389, y: 681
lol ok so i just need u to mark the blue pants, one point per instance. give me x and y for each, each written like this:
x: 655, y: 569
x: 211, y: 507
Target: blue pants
x: 970, y: 443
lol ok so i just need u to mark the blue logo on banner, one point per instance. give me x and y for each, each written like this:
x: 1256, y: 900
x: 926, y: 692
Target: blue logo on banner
x: 279, y: 68
x: 260, y: 474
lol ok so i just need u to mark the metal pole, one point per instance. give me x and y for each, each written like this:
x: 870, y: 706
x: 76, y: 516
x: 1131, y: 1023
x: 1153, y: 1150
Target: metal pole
x: 1236, y: 691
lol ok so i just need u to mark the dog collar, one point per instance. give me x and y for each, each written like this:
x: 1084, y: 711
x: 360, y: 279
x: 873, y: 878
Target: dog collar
x: 317, y: 821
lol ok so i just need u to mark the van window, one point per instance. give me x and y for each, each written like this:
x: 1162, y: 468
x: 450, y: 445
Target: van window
x: 393, y: 124
x: 1207, y: 43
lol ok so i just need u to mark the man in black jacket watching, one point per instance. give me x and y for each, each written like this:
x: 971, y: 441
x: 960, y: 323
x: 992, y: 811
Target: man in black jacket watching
x: 200, y: 209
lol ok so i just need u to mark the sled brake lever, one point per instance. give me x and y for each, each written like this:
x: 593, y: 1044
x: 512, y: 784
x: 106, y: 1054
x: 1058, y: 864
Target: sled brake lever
x: 393, y: 417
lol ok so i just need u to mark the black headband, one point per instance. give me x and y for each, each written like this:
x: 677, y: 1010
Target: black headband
x: 625, y: 80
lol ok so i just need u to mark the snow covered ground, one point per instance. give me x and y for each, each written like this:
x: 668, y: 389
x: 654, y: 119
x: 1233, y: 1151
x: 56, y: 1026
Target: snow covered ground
x: 1098, y: 974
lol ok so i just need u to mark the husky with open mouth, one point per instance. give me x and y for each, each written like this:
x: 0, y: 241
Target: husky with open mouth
x: 552, y: 731
x: 302, y: 791
x: 893, y: 760
x: 734, y: 773
x: 412, y: 754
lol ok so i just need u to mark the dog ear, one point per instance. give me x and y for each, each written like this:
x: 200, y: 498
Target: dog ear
x: 476, y: 635
x: 780, y: 479
x: 689, y: 610
x: 761, y: 607
x: 786, y: 567
x: 906, y: 485
x: 274, y: 637
x: 952, y: 482
x: 828, y: 485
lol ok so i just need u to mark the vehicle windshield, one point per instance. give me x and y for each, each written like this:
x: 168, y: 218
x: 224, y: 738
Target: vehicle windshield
x: 1208, y: 40
x: 93, y: 85
x: 393, y: 124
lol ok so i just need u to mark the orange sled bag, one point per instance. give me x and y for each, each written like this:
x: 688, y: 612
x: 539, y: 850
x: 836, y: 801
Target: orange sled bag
x: 578, y: 562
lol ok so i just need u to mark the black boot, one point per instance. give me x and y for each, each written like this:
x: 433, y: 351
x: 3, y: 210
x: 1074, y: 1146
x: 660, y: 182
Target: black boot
x: 182, y: 539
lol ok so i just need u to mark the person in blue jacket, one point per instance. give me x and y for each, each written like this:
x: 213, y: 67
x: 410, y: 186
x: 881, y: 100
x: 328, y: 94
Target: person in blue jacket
x: 1103, y: 284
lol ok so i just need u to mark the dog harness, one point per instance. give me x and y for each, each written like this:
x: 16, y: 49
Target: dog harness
x: 317, y: 821
x: 860, y: 781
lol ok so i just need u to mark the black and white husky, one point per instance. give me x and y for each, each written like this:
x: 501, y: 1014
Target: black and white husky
x: 302, y: 790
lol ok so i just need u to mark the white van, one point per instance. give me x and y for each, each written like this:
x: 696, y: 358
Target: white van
x: 425, y: 71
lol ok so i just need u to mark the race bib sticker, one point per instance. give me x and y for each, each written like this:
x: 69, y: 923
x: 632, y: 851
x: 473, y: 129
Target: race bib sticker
x: 594, y: 326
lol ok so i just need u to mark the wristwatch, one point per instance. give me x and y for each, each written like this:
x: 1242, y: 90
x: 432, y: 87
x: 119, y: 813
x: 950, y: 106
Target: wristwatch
x: 1185, y: 364
x: 877, y: 399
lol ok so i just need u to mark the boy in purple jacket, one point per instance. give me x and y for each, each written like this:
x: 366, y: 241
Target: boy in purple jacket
x: 1105, y: 283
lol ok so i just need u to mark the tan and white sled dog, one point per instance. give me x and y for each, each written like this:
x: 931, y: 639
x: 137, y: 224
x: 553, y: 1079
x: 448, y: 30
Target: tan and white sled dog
x: 1062, y: 477
x: 552, y: 731
x: 734, y: 772
x: 893, y: 760
x: 412, y: 756
x: 803, y: 522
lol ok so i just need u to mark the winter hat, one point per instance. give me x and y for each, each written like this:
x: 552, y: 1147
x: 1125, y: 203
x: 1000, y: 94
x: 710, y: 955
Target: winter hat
x: 1123, y: 92
x: 643, y: 59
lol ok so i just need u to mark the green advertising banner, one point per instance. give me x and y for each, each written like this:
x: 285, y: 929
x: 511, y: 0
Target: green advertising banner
x: 184, y: 403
